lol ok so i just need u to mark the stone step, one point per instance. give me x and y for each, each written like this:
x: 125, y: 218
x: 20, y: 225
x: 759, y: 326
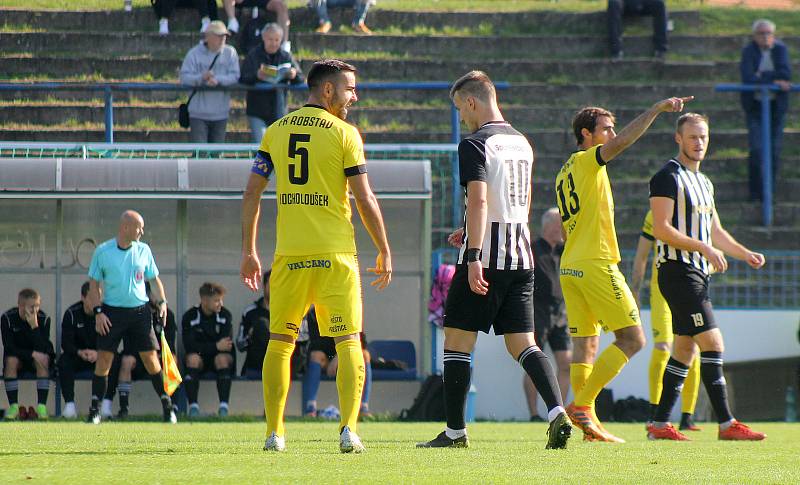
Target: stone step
x: 522, y: 117
x: 567, y: 96
x: 380, y: 19
x: 100, y: 44
x: 633, y: 71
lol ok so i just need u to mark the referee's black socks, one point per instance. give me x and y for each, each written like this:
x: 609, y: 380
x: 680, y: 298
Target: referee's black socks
x: 158, y: 384
x: 99, y: 384
x: 717, y: 388
x: 457, y: 374
x: 674, y: 375
x: 538, y: 368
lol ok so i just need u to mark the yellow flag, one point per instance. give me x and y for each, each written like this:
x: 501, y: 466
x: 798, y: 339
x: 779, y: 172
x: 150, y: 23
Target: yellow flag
x: 169, y: 368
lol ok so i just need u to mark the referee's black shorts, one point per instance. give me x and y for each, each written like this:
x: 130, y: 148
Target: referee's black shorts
x: 685, y: 288
x: 508, y: 306
x: 133, y: 325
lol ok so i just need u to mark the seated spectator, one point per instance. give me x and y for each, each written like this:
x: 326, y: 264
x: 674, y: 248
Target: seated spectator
x: 278, y: 7
x: 131, y: 367
x: 26, y: 348
x: 268, y: 63
x: 360, y: 7
x: 207, y: 342
x: 164, y: 8
x: 765, y: 60
x: 254, y: 335
x: 322, y: 357
x: 656, y: 8
x: 210, y: 63
x: 79, y: 351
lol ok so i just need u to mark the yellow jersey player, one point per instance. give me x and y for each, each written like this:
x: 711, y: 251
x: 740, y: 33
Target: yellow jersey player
x: 595, y: 292
x: 315, y: 157
x: 661, y: 323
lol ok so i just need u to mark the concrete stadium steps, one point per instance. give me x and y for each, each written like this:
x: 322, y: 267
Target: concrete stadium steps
x: 551, y: 71
x: 495, y: 23
x: 425, y: 46
x: 567, y: 96
x: 523, y: 118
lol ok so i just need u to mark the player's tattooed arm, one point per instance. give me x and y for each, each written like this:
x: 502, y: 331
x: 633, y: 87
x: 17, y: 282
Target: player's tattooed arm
x: 636, y: 128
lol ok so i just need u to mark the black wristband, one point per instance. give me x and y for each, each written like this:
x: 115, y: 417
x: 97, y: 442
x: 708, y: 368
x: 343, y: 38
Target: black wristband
x: 473, y: 255
x: 98, y: 309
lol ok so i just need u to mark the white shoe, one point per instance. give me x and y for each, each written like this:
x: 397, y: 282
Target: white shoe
x: 69, y: 411
x: 350, y: 442
x: 105, y: 409
x: 275, y: 443
x: 163, y: 27
x: 204, y: 23
x: 233, y: 25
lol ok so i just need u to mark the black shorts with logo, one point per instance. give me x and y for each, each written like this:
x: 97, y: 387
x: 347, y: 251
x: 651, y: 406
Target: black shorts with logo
x: 133, y: 325
x: 508, y: 306
x: 549, y: 333
x: 685, y: 288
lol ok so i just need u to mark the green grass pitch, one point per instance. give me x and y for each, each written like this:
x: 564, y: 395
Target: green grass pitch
x: 230, y: 452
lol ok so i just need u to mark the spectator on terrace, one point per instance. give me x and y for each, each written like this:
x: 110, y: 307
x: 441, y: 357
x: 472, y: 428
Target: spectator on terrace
x: 210, y: 63
x: 278, y: 7
x: 268, y: 63
x: 618, y: 8
x: 164, y: 8
x: 765, y: 60
x: 360, y: 9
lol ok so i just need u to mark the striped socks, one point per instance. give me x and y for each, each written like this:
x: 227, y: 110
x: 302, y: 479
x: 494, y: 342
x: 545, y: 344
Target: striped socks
x: 537, y: 366
x: 674, y: 375
x: 717, y: 388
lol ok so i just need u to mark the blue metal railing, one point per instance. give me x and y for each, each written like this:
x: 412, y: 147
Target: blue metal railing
x: 766, y: 136
x: 109, y: 88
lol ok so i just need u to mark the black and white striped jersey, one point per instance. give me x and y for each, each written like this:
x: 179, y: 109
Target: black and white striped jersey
x: 693, y: 213
x: 502, y: 157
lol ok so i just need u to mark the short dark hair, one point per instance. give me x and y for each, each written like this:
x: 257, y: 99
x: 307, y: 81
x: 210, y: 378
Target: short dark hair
x: 689, y: 118
x: 323, y: 70
x: 587, y: 118
x: 475, y: 83
x: 28, y: 293
x: 85, y: 289
x: 212, y: 289
x: 265, y: 277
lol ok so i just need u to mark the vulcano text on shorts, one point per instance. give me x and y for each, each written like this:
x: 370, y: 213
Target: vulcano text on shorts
x: 310, y: 263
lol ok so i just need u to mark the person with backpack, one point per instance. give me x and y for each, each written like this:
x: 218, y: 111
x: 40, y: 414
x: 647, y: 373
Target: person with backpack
x: 210, y: 63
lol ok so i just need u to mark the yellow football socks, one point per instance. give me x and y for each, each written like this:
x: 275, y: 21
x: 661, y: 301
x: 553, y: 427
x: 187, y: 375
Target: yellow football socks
x: 578, y: 373
x: 691, y: 387
x: 658, y: 362
x: 276, y: 375
x: 606, y: 367
x: 350, y: 381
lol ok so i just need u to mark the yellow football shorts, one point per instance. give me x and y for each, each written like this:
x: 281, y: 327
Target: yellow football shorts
x: 660, y: 316
x: 331, y: 282
x: 597, y: 297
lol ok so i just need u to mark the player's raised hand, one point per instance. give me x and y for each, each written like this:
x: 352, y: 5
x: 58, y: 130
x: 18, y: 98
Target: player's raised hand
x: 673, y: 105
x: 250, y: 270
x: 456, y: 238
x: 475, y: 277
x: 382, y: 270
x: 755, y: 260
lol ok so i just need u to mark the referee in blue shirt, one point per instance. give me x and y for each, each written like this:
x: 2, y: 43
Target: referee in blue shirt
x: 122, y: 265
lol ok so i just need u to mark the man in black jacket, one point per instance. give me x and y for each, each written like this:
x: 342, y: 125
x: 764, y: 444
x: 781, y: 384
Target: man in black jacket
x: 268, y: 63
x: 26, y: 348
x: 208, y: 344
x: 79, y: 351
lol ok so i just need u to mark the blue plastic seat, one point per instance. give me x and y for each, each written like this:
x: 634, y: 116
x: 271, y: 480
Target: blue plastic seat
x: 401, y: 350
